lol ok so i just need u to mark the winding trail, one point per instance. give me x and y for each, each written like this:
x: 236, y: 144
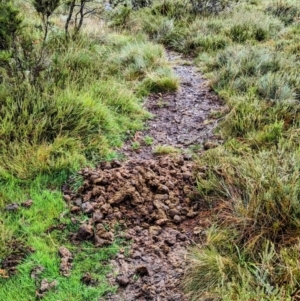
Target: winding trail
x: 151, y: 198
x: 182, y: 119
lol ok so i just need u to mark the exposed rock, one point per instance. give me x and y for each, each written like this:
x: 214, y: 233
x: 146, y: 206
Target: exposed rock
x: 12, y: 207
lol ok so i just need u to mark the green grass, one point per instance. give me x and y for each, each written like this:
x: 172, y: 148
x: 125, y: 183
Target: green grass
x: 65, y: 105
x: 148, y: 140
x: 166, y: 150
x: 135, y: 145
x: 29, y: 226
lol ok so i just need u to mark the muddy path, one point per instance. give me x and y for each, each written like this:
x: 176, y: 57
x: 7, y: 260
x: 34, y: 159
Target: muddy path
x: 184, y: 119
x: 149, y: 200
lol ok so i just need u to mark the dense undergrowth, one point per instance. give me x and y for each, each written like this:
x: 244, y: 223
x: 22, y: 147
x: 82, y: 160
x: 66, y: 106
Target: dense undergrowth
x: 64, y: 104
x: 250, y: 52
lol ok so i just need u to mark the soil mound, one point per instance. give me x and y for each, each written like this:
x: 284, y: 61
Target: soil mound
x: 153, y: 204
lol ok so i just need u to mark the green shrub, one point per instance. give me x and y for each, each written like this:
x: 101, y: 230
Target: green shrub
x: 237, y: 65
x: 10, y: 23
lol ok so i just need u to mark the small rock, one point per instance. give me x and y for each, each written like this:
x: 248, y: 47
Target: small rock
x: 177, y: 219
x: 12, y: 207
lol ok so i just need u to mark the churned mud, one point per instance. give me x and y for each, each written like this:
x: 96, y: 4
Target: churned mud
x: 150, y: 201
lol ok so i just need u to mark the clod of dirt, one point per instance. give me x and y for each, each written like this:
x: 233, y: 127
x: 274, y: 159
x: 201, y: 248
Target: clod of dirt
x: 88, y: 279
x: 59, y: 227
x: 66, y: 261
x: 27, y: 204
x: 36, y: 271
x: 45, y: 287
x: 122, y: 280
x: 12, y: 207
x: 85, y: 232
x: 148, y: 200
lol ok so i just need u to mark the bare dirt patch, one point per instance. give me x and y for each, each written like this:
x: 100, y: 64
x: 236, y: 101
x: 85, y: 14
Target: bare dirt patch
x: 152, y: 204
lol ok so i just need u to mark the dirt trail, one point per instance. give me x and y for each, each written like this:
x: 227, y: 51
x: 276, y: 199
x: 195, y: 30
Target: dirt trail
x: 151, y: 201
x: 182, y: 119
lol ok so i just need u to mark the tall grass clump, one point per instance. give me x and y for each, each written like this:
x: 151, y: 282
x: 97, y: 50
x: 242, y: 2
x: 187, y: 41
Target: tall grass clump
x: 256, y: 207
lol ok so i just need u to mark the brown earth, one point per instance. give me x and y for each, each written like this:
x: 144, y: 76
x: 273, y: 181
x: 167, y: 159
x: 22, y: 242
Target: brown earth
x: 153, y: 204
x: 151, y: 201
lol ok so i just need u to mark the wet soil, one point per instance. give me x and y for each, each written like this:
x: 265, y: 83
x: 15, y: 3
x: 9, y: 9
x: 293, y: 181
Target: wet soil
x: 182, y: 119
x: 151, y: 201
x: 153, y: 205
